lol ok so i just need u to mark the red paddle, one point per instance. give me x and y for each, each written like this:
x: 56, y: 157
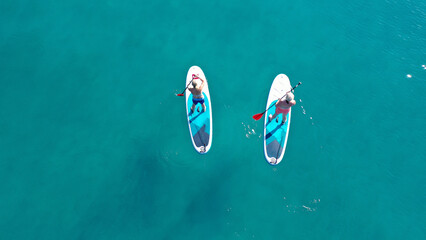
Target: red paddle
x: 193, y: 77
x: 259, y: 115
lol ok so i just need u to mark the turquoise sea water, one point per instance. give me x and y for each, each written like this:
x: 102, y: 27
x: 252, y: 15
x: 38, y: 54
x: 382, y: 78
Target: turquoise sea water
x: 95, y: 145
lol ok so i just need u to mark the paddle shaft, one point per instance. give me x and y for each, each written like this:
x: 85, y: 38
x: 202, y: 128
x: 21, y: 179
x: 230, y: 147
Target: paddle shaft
x: 181, y: 94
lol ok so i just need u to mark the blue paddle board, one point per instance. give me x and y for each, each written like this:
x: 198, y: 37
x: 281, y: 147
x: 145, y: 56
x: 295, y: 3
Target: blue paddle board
x: 276, y: 134
x: 199, y: 122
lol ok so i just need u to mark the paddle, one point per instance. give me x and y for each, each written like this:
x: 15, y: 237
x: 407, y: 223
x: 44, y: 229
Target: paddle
x: 259, y: 115
x: 193, y: 77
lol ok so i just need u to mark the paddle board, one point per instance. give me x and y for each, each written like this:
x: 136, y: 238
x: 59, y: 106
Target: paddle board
x: 200, y: 123
x: 275, y: 134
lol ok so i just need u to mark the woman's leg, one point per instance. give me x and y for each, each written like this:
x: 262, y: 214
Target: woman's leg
x: 274, y: 116
x: 284, y: 119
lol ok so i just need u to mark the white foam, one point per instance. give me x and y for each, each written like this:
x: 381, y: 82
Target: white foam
x: 307, y: 208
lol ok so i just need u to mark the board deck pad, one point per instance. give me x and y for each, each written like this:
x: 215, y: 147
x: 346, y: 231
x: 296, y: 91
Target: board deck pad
x: 276, y: 134
x: 200, y: 123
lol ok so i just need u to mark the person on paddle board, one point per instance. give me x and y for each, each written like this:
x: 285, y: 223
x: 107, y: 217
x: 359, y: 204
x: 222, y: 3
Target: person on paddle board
x: 197, y: 93
x: 283, y: 106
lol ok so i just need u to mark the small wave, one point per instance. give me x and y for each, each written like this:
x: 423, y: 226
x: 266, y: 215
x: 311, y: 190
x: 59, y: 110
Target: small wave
x: 305, y: 113
x: 250, y: 132
x: 311, y: 206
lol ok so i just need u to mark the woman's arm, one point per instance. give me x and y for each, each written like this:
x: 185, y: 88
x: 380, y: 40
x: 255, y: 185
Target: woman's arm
x: 202, y: 84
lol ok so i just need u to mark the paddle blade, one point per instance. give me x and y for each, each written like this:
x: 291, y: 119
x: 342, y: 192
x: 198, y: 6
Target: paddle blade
x: 180, y: 94
x: 257, y: 116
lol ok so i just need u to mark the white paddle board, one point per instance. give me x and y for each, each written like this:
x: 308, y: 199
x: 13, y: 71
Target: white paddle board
x: 275, y: 134
x: 199, y: 122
